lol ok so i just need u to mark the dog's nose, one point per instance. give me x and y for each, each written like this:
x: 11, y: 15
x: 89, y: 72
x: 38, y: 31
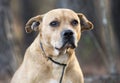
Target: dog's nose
x: 67, y: 33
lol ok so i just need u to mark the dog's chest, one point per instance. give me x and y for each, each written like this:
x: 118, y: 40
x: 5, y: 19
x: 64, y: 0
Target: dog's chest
x: 57, y: 75
x: 53, y: 81
x: 57, y: 71
x: 56, y: 81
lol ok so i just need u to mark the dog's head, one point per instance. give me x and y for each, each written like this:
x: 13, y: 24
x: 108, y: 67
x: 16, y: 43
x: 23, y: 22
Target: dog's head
x: 60, y: 28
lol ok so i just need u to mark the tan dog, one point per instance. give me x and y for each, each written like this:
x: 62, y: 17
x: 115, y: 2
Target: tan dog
x: 51, y: 57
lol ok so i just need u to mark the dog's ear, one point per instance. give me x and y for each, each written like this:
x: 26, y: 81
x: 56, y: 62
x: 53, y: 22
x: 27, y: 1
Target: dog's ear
x: 33, y: 23
x: 85, y: 23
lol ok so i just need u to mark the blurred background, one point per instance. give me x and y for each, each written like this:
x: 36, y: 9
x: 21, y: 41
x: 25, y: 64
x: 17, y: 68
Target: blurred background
x: 98, y: 51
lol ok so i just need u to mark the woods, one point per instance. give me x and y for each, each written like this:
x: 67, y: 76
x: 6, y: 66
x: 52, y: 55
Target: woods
x: 98, y: 51
x: 6, y: 42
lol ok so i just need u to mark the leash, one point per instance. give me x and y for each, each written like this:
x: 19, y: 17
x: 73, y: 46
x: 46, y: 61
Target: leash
x: 60, y: 64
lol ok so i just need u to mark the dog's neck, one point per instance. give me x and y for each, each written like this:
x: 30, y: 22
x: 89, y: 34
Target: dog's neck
x: 56, y: 64
x: 59, y: 60
x: 50, y: 51
x: 62, y: 57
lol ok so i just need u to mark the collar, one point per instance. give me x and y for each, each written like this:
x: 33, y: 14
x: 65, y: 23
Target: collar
x: 55, y: 62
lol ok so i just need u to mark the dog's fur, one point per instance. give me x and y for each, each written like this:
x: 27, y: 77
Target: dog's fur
x: 36, y: 68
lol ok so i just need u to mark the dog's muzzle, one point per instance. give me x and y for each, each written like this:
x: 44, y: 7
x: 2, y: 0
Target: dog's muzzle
x: 68, y: 40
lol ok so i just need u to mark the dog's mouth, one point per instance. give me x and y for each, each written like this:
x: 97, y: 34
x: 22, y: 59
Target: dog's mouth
x: 66, y: 45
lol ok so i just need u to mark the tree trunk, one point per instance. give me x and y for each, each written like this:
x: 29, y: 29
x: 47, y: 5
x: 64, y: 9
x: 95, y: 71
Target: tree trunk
x: 7, y: 61
x: 107, y: 34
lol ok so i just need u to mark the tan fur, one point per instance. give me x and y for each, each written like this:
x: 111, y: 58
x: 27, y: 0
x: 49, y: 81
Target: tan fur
x: 38, y: 69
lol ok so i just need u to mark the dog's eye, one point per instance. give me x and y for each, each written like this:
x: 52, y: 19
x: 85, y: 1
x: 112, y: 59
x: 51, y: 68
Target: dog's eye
x: 54, y: 23
x: 74, y: 22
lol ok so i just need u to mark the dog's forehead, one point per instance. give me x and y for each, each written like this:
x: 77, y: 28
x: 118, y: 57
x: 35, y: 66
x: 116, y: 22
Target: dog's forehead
x: 61, y: 13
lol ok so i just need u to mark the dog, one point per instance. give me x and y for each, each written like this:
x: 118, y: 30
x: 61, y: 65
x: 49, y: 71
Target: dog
x: 51, y: 57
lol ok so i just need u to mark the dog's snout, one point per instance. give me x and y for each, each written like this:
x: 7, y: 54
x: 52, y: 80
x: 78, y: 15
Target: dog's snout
x: 67, y: 33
